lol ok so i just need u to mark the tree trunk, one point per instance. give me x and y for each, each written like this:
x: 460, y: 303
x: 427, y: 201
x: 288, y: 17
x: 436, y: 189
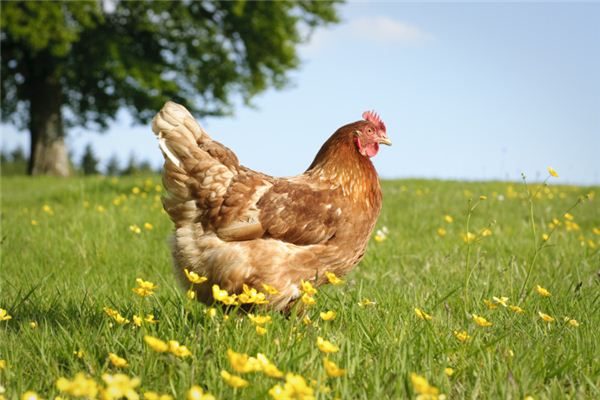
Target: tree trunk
x: 48, y: 154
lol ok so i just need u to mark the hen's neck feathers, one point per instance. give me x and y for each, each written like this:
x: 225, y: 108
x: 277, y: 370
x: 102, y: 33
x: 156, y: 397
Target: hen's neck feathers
x: 339, y: 163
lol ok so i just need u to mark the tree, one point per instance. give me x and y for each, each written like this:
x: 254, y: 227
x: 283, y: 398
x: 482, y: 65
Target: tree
x: 77, y: 63
x: 89, y: 162
x: 112, y: 167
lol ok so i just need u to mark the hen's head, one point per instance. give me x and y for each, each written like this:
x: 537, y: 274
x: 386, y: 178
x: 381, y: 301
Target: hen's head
x: 370, y: 134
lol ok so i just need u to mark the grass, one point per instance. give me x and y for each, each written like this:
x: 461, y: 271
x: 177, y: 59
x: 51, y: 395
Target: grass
x: 60, y: 267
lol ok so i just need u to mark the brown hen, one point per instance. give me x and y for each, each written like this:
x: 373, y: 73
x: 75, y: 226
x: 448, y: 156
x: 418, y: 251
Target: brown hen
x: 237, y: 226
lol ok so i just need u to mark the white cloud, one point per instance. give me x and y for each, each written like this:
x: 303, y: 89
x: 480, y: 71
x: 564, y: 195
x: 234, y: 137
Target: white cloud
x: 384, y: 30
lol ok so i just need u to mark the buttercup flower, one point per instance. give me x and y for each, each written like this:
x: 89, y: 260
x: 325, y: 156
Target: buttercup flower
x: 117, y: 361
x: 481, y: 321
x: 462, y: 336
x: 79, y: 386
x: 194, y: 277
x: 156, y: 344
x: 517, y: 309
x: 333, y: 279
x: 197, y: 393
x: 332, y: 369
x: 4, y: 315
x: 308, y: 288
x: 326, y: 346
x: 270, y: 289
x: 233, y: 380
x: 328, y: 316
x: 552, y: 172
x: 422, y: 314
x: 542, y: 291
x: 119, y: 386
x: 546, y: 317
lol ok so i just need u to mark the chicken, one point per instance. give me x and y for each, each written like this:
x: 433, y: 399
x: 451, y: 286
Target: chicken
x: 237, y: 226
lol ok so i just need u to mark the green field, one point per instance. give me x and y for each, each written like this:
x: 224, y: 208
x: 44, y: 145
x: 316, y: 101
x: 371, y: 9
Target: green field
x: 70, y: 248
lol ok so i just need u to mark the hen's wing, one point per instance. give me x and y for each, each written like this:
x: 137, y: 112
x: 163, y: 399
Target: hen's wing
x: 294, y: 212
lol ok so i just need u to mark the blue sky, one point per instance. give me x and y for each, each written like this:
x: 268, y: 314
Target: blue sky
x: 467, y: 91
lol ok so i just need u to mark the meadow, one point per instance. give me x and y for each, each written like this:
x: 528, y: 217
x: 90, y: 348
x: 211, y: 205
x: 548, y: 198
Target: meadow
x: 468, y: 290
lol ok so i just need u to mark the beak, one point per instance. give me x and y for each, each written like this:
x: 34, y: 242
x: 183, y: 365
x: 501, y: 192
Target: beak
x: 385, y: 140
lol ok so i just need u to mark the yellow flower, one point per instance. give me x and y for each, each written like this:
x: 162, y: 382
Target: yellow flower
x: 148, y: 226
x: 366, y: 303
x: 150, y: 319
x: 596, y: 231
x: 542, y: 291
x: 545, y: 237
x: 270, y: 289
x: 137, y: 321
x: 144, y: 288
x: 260, y: 330
x: 260, y: 319
x: 441, y: 232
x: 295, y: 387
x: 155, y: 396
x: 114, y: 314
x: 332, y: 369
x: 481, y: 321
x: 490, y: 304
x: 197, y: 393
x: 252, y: 296
x: 233, y: 380
x: 242, y: 363
x: 156, y: 344
x: 381, y: 234
x: 333, y: 279
x: 135, y: 190
x: 328, y: 316
x: 100, y: 208
x: 546, y: 317
x: 79, y: 386
x: 211, y: 312
x: 2, y: 364
x: 117, y: 361
x: 448, y: 219
x: 422, y: 387
x: 178, y: 350
x: 469, y: 237
x: 34, y: 222
x: 120, y: 385
x: 191, y: 294
x: 306, y: 320
x: 552, y: 172
x: 30, y: 395
x: 482, y: 198
x: 33, y: 325
x: 308, y: 299
x: 194, y: 277
x: 4, y: 315
x: 572, y: 322
x: 422, y: 314
x: 486, y: 232
x: 222, y: 296
x: 462, y: 336
x: 501, y: 300
x: 135, y: 229
x: 449, y: 371
x: 326, y: 346
x: 79, y: 353
x: 568, y: 216
x: 517, y: 309
x: 47, y: 209
x: 308, y: 288
x: 267, y: 367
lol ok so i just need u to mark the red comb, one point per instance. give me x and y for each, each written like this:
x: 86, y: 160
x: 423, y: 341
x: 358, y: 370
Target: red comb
x: 372, y: 116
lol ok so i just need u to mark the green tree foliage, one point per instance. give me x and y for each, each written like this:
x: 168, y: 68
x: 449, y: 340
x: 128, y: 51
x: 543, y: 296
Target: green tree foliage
x: 89, y: 162
x: 77, y: 63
